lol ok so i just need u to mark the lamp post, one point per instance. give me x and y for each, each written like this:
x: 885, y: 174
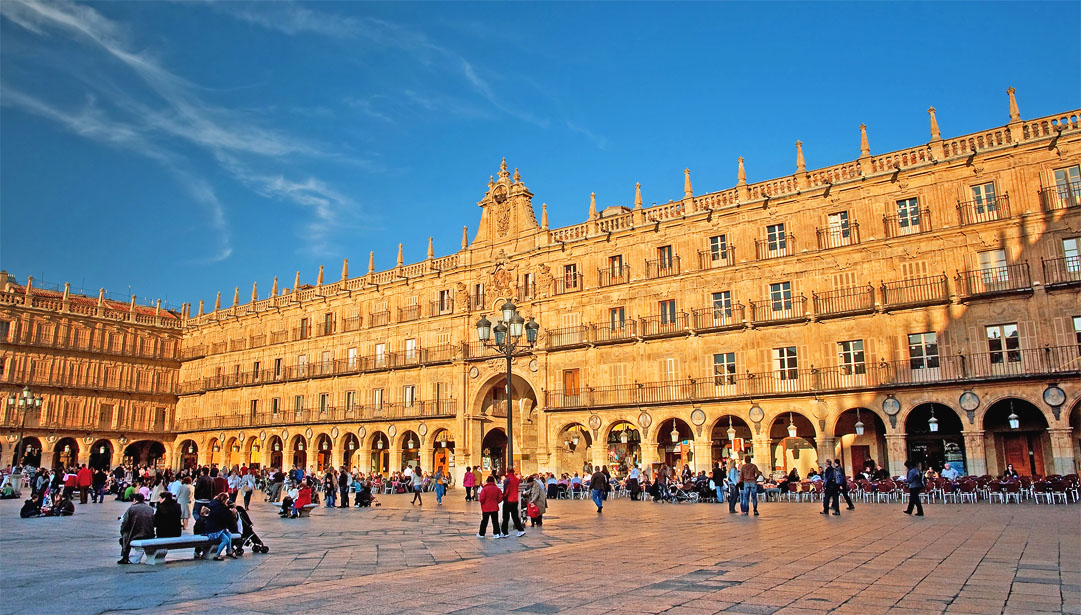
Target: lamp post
x: 26, y: 401
x: 508, y: 339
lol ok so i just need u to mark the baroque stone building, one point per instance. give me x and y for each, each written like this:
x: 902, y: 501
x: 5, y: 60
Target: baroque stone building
x: 917, y: 303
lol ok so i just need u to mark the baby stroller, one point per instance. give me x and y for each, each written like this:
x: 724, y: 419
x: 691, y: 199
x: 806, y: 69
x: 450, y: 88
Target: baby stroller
x: 705, y: 494
x: 248, y: 537
x: 364, y: 497
x: 679, y: 494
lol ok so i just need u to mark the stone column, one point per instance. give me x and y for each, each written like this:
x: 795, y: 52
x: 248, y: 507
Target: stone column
x: 896, y: 453
x: 762, y: 454
x: 426, y: 460
x: 649, y: 457
x: 395, y: 458
x: 597, y: 455
x: 1062, y: 449
x: 975, y: 455
x: 827, y: 449
x: 702, y: 459
x: 46, y: 457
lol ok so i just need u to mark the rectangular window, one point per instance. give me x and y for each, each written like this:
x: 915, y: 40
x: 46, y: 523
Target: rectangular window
x: 615, y: 266
x: 780, y: 296
x: 1077, y: 332
x: 992, y: 264
x: 775, y: 238
x: 298, y: 403
x: 377, y: 398
x: 277, y: 368
x: 1071, y: 250
x: 305, y: 328
x: 923, y: 350
x: 255, y: 371
x: 664, y: 257
x: 908, y: 215
x: 1067, y: 181
x: 851, y: 357
x: 724, y: 368
x: 380, y: 355
x: 323, y: 402
x: 983, y: 198
x: 445, y: 304
x: 253, y: 407
x: 668, y: 311
x: 409, y: 395
x: 570, y: 382
x: 328, y: 361
x: 302, y: 364
x: 5, y: 330
x: 352, y: 358
x: 478, y: 295
x: 670, y: 370
x: 527, y: 285
x: 618, y: 318
x: 276, y: 405
x: 838, y: 225
x: 786, y: 363
x: 718, y: 248
x: 1003, y: 344
x: 410, y: 349
x: 722, y: 304
x: 570, y: 276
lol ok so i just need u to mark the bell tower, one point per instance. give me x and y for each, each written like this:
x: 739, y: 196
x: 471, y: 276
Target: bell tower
x: 506, y: 214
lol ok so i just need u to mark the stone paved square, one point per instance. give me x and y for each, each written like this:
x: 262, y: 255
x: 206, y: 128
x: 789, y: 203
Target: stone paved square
x: 636, y: 557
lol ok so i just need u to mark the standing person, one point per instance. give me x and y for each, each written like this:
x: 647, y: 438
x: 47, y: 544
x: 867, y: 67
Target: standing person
x: 538, y: 501
x: 167, y: 522
x: 417, y: 480
x: 633, y: 482
x: 137, y: 523
x: 598, y: 484
x: 330, y: 487
x: 233, y: 482
x: 440, y: 480
x: 489, y: 498
x: 718, y: 481
x: 85, y: 479
x: 914, y: 479
x: 748, y: 476
x: 184, y: 500
x: 732, y: 483
x: 842, y: 482
x: 510, y: 503
x: 831, y: 490
x: 247, y: 487
x: 344, y: 480
x: 469, y: 482
x: 219, y: 483
x: 98, y: 479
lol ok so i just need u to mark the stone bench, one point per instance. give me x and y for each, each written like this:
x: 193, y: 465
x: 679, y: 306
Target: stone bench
x: 305, y: 511
x: 157, y: 548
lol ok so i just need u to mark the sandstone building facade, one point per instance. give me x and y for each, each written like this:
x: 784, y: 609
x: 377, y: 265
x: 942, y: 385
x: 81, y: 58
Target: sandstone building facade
x: 919, y: 303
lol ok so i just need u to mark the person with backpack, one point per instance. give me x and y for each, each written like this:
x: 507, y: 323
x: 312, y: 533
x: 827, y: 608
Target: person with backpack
x: 914, y: 479
x: 831, y: 490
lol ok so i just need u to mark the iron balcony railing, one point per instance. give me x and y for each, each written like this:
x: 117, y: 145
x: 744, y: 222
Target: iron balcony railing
x: 569, y: 283
x: 610, y: 333
x: 1004, y: 365
x: 662, y: 267
x: 836, y: 237
x: 408, y: 313
x: 663, y: 326
x: 916, y: 292
x: 1066, y: 195
x: 330, y: 414
x: 718, y: 318
x: 898, y: 226
x: 792, y: 309
x: 1065, y: 271
x: 82, y: 342
x: 352, y: 323
x: 379, y: 319
x: 301, y: 333
x: 995, y: 280
x: 278, y: 337
x: 612, y: 277
x: 766, y: 249
x: 714, y: 259
x: 844, y: 302
x: 567, y: 337
x: 83, y: 421
x: 88, y: 381
x: 257, y: 341
x: 440, y: 307
x: 984, y: 210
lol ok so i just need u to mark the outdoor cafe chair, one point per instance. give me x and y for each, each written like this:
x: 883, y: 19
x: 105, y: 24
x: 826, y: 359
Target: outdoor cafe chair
x: 967, y: 491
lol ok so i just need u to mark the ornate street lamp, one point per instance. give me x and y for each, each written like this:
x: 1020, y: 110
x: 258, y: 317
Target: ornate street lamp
x: 508, y: 340
x: 409, y: 443
x: 791, y: 427
x: 623, y: 437
x: 731, y: 431
x: 932, y: 422
x: 1015, y: 421
x: 379, y: 444
x: 675, y: 432
x: 859, y: 423
x: 26, y: 401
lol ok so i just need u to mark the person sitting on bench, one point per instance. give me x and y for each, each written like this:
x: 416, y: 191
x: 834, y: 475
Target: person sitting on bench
x: 137, y: 523
x: 220, y: 523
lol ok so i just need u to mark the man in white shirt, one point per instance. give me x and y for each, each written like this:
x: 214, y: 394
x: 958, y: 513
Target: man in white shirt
x: 949, y: 473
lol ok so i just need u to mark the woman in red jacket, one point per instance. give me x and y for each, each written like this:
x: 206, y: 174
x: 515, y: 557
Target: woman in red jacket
x: 304, y: 497
x: 489, y: 497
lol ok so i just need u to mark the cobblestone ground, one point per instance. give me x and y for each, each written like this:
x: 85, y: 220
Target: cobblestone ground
x: 636, y: 557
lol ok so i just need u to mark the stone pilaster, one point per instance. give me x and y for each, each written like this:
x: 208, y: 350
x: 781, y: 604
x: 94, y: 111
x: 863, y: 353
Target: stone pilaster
x: 896, y: 453
x: 827, y: 449
x: 1062, y: 450
x: 975, y: 455
x: 702, y: 459
x: 762, y: 454
x: 426, y: 460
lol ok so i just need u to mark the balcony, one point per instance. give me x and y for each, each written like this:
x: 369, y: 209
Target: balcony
x: 664, y: 326
x: 567, y: 337
x: 995, y: 281
x: 613, y: 333
x: 89, y: 383
x: 408, y: 313
x: 437, y: 408
x: 193, y: 352
x: 257, y: 341
x: 718, y: 319
x: 837, y: 237
x: 917, y: 292
x: 662, y: 268
x: 710, y: 259
x: 782, y: 311
x: 569, y: 283
x: 1066, y: 195
x: 525, y: 292
x: 441, y: 307
x: 278, y: 337
x: 1061, y: 272
x: 166, y: 350
x: 379, y: 319
x: 351, y: 323
x: 82, y: 421
x: 236, y: 344
x: 1037, y: 364
x: 301, y: 333
x: 844, y: 302
x: 984, y: 210
x: 766, y: 249
x: 612, y: 277
x: 898, y: 226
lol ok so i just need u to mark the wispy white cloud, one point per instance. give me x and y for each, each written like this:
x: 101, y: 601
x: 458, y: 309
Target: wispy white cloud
x: 597, y: 139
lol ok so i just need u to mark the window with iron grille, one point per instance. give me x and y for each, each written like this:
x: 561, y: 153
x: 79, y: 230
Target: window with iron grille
x: 668, y: 311
x: 923, y: 350
x: 724, y: 368
x: 852, y: 359
x: 780, y: 296
x: 786, y: 363
x: 1003, y: 344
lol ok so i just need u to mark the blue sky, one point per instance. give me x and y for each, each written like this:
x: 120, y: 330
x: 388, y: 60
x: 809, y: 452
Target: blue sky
x: 181, y: 148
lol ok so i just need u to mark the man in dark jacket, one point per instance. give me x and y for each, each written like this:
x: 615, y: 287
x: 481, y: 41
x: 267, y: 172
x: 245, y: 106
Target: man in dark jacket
x: 167, y: 517
x: 344, y: 481
x: 137, y: 523
x: 598, y: 484
x: 31, y: 507
x: 220, y: 523
x: 831, y: 490
x: 842, y: 482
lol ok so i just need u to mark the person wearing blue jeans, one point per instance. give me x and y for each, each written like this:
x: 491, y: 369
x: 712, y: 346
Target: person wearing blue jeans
x: 748, y: 476
x: 598, y: 483
x: 732, y: 480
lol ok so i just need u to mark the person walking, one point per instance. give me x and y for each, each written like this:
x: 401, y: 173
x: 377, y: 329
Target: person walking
x: 831, y: 490
x: 98, y: 479
x: 440, y: 480
x: 718, y: 481
x: 748, y: 476
x: 344, y: 480
x: 137, y: 523
x: 85, y: 479
x: 247, y: 487
x: 510, y: 503
x: 489, y: 498
x: 732, y: 485
x: 330, y: 487
x: 469, y: 482
x: 598, y: 484
x: 842, y: 482
x: 418, y: 486
x: 914, y: 479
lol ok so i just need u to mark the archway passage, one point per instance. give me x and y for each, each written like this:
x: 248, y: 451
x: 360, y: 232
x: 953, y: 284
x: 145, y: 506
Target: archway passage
x: 576, y: 454
x: 676, y: 451
x: 380, y: 459
x: 1026, y: 447
x: 350, y: 445
x: 213, y: 452
x: 300, y: 454
x: 189, y: 455
x: 935, y: 448
x: 277, y: 458
x: 230, y: 454
x: 493, y: 450
x: 30, y: 451
x: 789, y: 451
x: 253, y: 453
x: 624, y: 448
x: 324, y: 453
x: 443, y: 453
x: 66, y: 454
x: 144, y: 452
x: 861, y: 452
x: 101, y: 455
x: 410, y: 444
x: 735, y: 445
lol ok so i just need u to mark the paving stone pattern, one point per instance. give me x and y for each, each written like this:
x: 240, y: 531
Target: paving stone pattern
x: 637, y: 557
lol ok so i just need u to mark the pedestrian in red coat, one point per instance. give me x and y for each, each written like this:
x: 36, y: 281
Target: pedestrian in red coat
x: 489, y: 497
x: 84, y: 479
x: 510, y: 504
